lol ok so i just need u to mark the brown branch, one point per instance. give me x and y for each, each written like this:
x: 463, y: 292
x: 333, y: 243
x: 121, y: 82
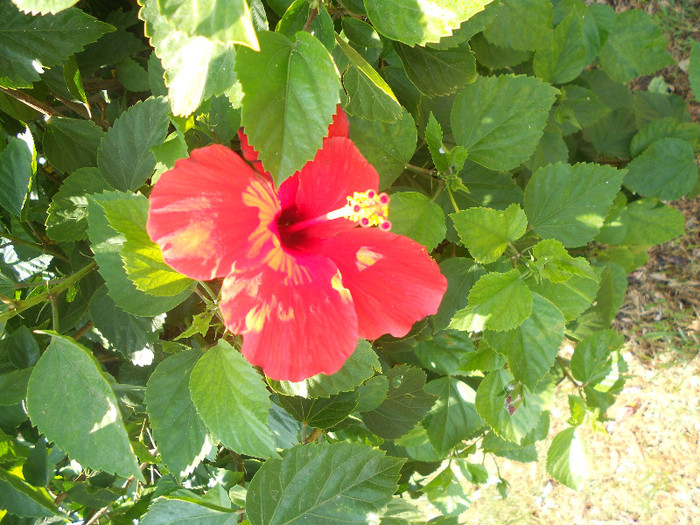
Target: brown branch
x: 83, y: 330
x: 30, y: 101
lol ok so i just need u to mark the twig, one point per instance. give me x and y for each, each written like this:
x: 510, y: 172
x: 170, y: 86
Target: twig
x: 566, y: 372
x: 418, y: 169
x: 30, y: 101
x: 83, y: 330
x: 313, y: 436
x: 310, y: 20
x: 42, y: 247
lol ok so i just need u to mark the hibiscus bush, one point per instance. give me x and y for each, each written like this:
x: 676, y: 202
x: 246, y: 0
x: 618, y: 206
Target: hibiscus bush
x: 274, y: 261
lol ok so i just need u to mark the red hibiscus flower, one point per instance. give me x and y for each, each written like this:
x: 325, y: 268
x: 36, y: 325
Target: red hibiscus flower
x: 301, y: 280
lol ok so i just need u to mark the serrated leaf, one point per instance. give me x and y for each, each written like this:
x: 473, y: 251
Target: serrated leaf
x: 487, y: 188
x: 445, y: 352
x: 453, y: 417
x: 340, y: 482
x: 585, y: 105
x: 569, y: 203
x: 611, y: 294
x: 107, y: 244
x: 553, y: 262
x: 433, y: 136
x: 562, y: 58
x: 405, y: 405
x: 646, y: 222
x: 449, y: 491
x: 195, y: 67
x: 16, y: 168
x: 124, y: 156
x: 96, y: 437
x: 591, y: 362
x: 487, y: 233
x: 566, y: 461
x: 667, y: 127
x: 650, y: 106
x: 496, y: 57
x: 612, y: 134
x: 286, y: 112
x: 296, y: 16
x: 666, y: 170
x: 550, y: 149
x: 520, y: 24
x: 498, y: 301
x: 28, y: 44
x: 227, y: 21
x: 231, y: 399
x: 71, y: 144
x: 387, y: 146
x: 44, y: 6
x: 132, y: 75
x: 21, y: 499
x: 420, y: 21
x: 167, y: 511
x: 143, y: 259
x: 636, y: 46
x: 170, y: 406
x: 523, y: 453
x: 438, y: 72
x: 532, y: 347
x: 359, y: 367
x: 321, y: 412
x: 499, y: 120
x: 67, y: 213
x: 414, y: 215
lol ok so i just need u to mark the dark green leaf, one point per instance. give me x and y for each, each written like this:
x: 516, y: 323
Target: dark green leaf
x: 446, y: 352
x: 562, y: 56
x: 496, y: 57
x: 414, y: 215
x: 668, y: 127
x: 438, y: 72
x: 611, y: 293
x: 321, y: 27
x: 13, y: 386
x: 566, y: 461
x: 133, y: 76
x: 44, y: 6
x: 612, y: 134
x: 21, y: 499
x: 70, y: 144
x: 521, y: 24
x: 322, y: 412
x: 650, y: 106
x: 16, y: 168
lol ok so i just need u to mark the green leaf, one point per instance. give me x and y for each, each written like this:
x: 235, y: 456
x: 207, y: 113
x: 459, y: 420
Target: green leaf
x: 562, y: 56
x: 694, y: 68
x: 71, y: 144
x: 453, y: 417
x: 585, y: 105
x: 461, y: 275
x: 196, y: 68
x: 320, y: 484
x: 520, y: 24
x: 286, y: 112
x: 96, y: 437
x: 591, y: 361
x: 21, y: 499
x: 414, y: 215
x: 125, y: 157
x: 295, y: 19
x: 651, y: 222
x: 387, y: 146
x: 496, y: 57
x: 28, y: 44
x: 499, y: 120
x: 498, y: 301
x: 133, y: 76
x: 13, y: 386
x: 665, y: 170
x: 450, y: 491
x: 142, y: 258
x: 359, y: 367
x: 107, y: 244
x: 636, y: 46
x: 446, y: 352
x: 232, y: 400
x: 566, y: 461
x: 166, y: 511
x: 418, y: 22
x: 67, y: 214
x: 488, y: 188
x: 438, y: 72
x: 43, y: 6
x: 487, y: 233
x: 405, y: 405
x: 550, y: 149
x: 650, y: 106
x: 532, y: 347
x: 569, y: 203
x: 612, y: 134
x: 227, y: 21
x: 433, y: 136
x: 667, y: 127
x: 16, y: 169
x: 611, y: 293
x: 553, y: 262
x: 170, y: 407
x: 321, y: 412
x: 521, y: 452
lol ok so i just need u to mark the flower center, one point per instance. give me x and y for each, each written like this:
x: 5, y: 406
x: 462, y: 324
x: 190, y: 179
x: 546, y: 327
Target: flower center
x: 367, y: 208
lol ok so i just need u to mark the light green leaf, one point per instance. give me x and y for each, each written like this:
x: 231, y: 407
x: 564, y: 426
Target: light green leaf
x: 414, y: 215
x: 433, y: 136
x: 167, y: 511
x: 231, y: 398
x: 438, y: 72
x: 566, y: 460
x: 28, y: 44
x: 96, y: 437
x: 611, y: 294
x: 499, y: 120
x: 16, y: 168
x: 196, y: 68
x: 487, y: 233
x: 521, y: 24
x: 170, y: 406
x: 569, y: 203
x: 227, y: 21
x: 453, y: 417
x: 636, y: 46
x: 450, y: 491
x: 532, y: 347
x: 125, y: 157
x: 591, y: 361
x: 286, y: 111
x: 461, y: 275
x: 387, y: 146
x: 321, y: 484
x: 21, y: 499
x: 562, y: 56
x: 44, y: 6
x: 420, y: 21
x: 70, y: 144
x: 553, y: 262
x: 359, y: 367
x: 665, y: 170
x: 142, y: 258
x: 498, y: 301
x: 405, y: 405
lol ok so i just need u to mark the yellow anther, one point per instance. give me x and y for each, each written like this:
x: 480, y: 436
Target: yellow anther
x: 369, y: 208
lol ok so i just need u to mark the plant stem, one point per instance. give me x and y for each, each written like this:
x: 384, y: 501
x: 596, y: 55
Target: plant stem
x: 19, y: 306
x: 30, y: 101
x: 418, y: 169
x: 566, y: 372
x: 452, y: 199
x: 310, y: 20
x: 42, y: 247
x: 313, y: 436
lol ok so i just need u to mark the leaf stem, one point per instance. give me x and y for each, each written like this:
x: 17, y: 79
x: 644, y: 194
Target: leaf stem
x: 313, y: 436
x: 309, y: 21
x: 42, y: 247
x: 30, y: 101
x: 452, y: 199
x: 419, y: 170
x: 564, y: 369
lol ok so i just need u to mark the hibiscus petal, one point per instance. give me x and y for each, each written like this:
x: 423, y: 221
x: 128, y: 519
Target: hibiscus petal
x: 340, y: 127
x: 296, y: 322
x: 211, y: 211
x: 392, y: 279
